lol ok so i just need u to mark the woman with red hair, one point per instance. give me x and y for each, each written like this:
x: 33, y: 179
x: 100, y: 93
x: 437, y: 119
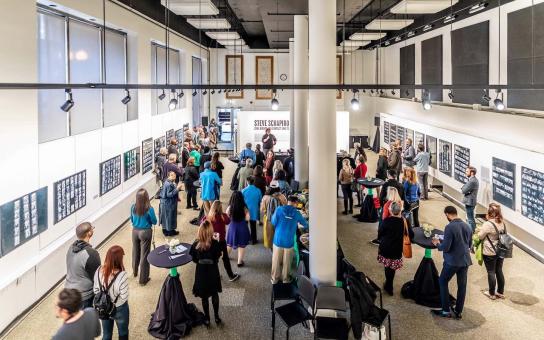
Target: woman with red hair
x: 112, y: 277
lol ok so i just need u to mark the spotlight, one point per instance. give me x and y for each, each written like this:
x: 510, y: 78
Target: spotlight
x: 450, y: 94
x: 426, y: 101
x: 174, y: 101
x: 69, y: 103
x: 162, y: 95
x: 450, y: 18
x: 371, y: 91
x: 205, y: 92
x: 364, y: 91
x: 127, y: 98
x: 381, y: 92
x: 219, y: 91
x: 393, y: 92
x: 485, y: 97
x: 477, y: 7
x: 406, y: 93
x: 274, y: 102
x: 194, y: 93
x: 212, y: 92
x: 355, y: 104
x: 499, y: 104
x: 181, y: 94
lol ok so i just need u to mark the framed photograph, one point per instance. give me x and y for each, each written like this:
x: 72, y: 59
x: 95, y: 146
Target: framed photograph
x: 264, y: 73
x: 339, y: 73
x: 234, y: 74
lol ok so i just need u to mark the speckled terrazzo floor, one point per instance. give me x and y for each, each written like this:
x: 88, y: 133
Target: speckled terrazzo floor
x: 245, y: 303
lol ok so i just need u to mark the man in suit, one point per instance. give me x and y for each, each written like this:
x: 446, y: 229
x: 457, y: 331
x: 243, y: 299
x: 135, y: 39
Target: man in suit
x: 470, y: 192
x: 456, y: 249
x: 185, y: 154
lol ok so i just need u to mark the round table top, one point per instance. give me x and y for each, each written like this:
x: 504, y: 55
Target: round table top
x: 234, y: 159
x: 161, y: 257
x: 371, y: 182
x: 425, y: 242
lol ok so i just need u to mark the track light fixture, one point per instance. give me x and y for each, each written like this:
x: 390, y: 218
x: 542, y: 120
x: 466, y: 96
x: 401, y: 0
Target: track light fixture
x: 274, y: 102
x: 194, y: 93
x: 364, y: 91
x: 485, y: 97
x: 181, y: 94
x: 371, y: 91
x: 406, y: 93
x: 69, y: 103
x: 212, y: 92
x: 393, y: 92
x: 162, y: 95
x: 127, y: 98
x: 450, y: 95
x: 174, y: 101
x: 426, y: 100
x: 478, y: 7
x: 355, y: 102
x: 498, y: 102
x: 219, y: 91
x: 205, y: 92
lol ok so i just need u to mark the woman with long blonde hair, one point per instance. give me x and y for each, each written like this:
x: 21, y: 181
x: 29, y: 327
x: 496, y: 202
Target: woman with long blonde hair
x: 205, y: 252
x: 346, y: 179
x: 392, y: 196
x: 411, y: 194
x: 219, y: 221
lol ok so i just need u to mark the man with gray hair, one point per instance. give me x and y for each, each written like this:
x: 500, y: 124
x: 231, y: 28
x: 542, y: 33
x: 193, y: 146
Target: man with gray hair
x: 244, y: 174
x: 82, y: 261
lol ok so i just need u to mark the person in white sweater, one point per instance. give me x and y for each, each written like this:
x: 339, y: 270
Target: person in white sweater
x: 113, y: 278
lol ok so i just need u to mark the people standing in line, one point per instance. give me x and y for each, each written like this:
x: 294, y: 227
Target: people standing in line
x: 216, y: 165
x: 205, y: 252
x: 169, y: 205
x: 411, y: 194
x: 456, y: 249
x: 360, y: 173
x: 394, y: 162
x: 219, y: 221
x: 281, y: 182
x: 422, y: 161
x: 289, y: 166
x: 258, y: 179
x: 212, y: 136
x: 270, y: 202
x: 259, y: 155
x: 391, y: 182
x: 359, y: 151
x: 247, y: 153
x: 77, y: 324
x: 285, y: 220
x: 346, y: 179
x: 268, y: 166
x: 470, y: 198
x: 172, y: 165
x: 173, y: 148
x: 195, y: 135
x: 209, y: 183
x: 142, y: 217
x: 252, y: 198
x: 160, y: 160
x: 381, y: 168
x: 409, y: 153
x: 205, y: 157
x: 244, y: 174
x: 390, y: 234
x: 489, y: 235
x: 195, y: 153
x: 190, y: 176
x: 112, y: 278
x: 82, y: 261
x: 185, y: 154
x: 238, y: 232
x: 269, y: 140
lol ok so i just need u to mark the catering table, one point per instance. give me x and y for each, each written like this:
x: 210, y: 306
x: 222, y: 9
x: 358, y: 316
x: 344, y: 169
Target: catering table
x: 173, y: 317
x: 425, y: 289
x: 369, y: 213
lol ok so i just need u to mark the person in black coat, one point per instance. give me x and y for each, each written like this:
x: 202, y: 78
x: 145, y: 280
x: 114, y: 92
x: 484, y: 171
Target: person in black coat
x: 191, y: 175
x: 289, y: 166
x: 206, y: 157
x: 259, y: 155
x: 185, y: 154
x: 206, y: 252
x: 390, y: 235
x: 381, y: 168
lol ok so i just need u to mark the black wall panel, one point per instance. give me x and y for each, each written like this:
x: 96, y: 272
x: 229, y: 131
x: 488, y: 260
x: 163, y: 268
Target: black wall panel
x: 470, y: 61
x: 526, y: 56
x: 431, y: 65
x: 408, y: 69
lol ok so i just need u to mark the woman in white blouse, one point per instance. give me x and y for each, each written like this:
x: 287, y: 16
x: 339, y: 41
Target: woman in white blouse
x: 113, y: 277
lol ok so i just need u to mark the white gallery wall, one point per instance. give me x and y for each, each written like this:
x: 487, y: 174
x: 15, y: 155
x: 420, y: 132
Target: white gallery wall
x: 36, y: 266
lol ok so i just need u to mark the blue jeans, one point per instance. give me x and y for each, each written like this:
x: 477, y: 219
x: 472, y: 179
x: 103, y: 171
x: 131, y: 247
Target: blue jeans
x: 470, y: 216
x: 121, y: 318
x: 445, y: 276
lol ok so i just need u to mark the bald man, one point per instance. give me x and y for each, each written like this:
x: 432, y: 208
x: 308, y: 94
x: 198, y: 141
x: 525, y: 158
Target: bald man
x: 171, y: 165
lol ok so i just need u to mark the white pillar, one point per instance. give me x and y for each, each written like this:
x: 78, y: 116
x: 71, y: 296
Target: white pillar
x: 322, y: 141
x: 291, y: 81
x: 301, y: 100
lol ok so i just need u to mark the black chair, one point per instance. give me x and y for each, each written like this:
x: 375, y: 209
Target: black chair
x: 285, y: 291
x: 377, y: 317
x: 330, y: 298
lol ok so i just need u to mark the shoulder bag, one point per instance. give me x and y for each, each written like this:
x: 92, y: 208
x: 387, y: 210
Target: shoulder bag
x: 505, y: 244
x: 406, y: 243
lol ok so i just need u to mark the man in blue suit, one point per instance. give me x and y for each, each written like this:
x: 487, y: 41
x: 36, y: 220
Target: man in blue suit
x: 456, y: 249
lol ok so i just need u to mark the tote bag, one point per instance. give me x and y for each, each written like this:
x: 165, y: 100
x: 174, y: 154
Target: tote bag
x: 406, y: 243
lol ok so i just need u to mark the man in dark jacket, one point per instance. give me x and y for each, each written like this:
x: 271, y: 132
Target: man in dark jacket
x: 470, y: 195
x: 173, y: 148
x: 206, y: 157
x: 185, y: 154
x: 394, y: 162
x: 171, y: 165
x: 289, y: 166
x: 456, y: 249
x: 82, y: 261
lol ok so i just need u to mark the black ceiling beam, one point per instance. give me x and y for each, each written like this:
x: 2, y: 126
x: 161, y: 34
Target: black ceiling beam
x: 225, y: 11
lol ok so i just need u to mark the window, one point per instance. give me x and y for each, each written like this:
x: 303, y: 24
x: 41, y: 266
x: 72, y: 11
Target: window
x: 70, y: 51
x: 158, y: 67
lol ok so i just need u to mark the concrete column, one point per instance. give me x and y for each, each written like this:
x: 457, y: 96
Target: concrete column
x: 301, y: 100
x: 291, y: 81
x: 322, y: 141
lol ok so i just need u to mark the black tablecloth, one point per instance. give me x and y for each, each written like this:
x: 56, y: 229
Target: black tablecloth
x: 371, y: 183
x: 369, y: 213
x: 422, y: 241
x: 161, y: 257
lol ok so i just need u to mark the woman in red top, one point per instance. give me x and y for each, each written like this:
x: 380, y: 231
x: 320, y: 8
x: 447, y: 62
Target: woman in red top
x: 360, y: 172
x: 392, y: 196
x: 220, y: 221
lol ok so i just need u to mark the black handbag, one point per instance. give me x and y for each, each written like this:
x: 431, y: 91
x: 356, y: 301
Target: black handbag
x: 505, y: 244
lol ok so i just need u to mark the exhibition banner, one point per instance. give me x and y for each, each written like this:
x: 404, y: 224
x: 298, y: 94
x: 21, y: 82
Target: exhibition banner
x: 252, y: 126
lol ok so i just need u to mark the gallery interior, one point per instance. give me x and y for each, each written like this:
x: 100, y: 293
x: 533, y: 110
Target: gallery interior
x: 92, y: 92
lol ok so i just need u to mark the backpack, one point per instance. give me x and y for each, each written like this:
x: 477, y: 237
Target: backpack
x: 102, y: 303
x: 505, y: 245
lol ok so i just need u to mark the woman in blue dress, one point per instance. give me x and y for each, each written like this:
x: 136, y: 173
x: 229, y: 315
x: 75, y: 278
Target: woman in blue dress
x: 238, y: 233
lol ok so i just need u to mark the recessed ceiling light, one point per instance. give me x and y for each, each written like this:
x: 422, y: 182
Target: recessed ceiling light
x: 367, y: 36
x: 354, y: 43
x: 223, y: 35
x: 192, y: 7
x: 209, y: 24
x: 421, y: 6
x: 229, y: 42
x: 388, y: 24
